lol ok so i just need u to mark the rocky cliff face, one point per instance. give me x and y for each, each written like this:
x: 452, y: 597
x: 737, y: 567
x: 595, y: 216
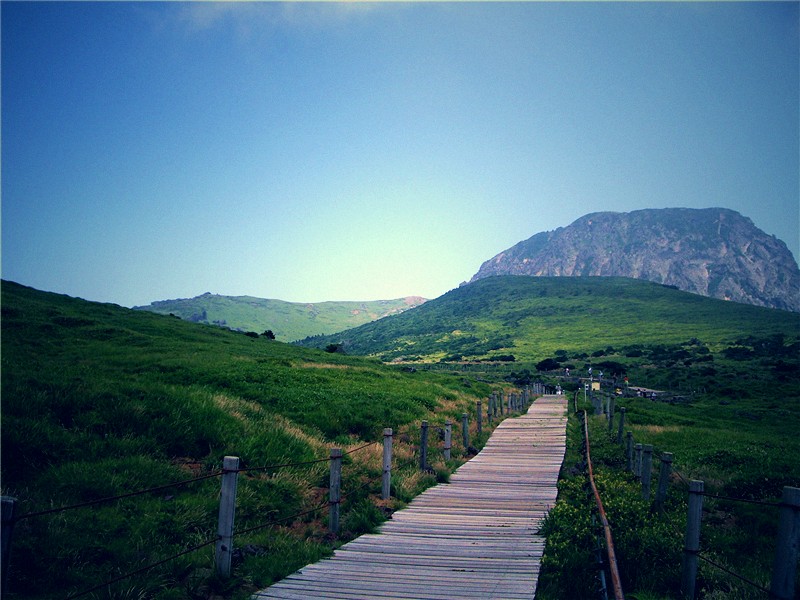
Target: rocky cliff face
x: 713, y: 252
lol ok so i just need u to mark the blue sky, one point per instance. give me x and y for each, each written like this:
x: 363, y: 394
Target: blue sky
x: 333, y: 151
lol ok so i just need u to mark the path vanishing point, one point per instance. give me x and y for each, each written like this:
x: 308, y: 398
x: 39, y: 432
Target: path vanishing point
x: 475, y: 537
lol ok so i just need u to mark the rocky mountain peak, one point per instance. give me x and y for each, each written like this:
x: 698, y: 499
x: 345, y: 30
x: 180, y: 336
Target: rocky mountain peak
x: 714, y: 252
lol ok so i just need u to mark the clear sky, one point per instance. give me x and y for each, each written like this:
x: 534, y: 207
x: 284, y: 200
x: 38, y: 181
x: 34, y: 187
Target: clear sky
x: 333, y: 151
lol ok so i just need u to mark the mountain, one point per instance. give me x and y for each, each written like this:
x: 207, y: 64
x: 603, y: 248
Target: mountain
x: 289, y: 321
x: 530, y: 318
x: 713, y: 252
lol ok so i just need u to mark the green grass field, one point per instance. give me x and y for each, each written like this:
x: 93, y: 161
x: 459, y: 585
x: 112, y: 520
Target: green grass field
x: 288, y: 321
x: 98, y: 401
x: 531, y: 318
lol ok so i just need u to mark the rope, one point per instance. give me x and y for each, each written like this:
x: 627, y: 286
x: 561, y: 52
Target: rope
x: 142, y: 570
x: 744, y: 500
x: 359, y: 448
x: 112, y: 498
x: 612, y: 559
x: 281, y: 466
x: 276, y: 521
x: 729, y: 572
x: 300, y: 464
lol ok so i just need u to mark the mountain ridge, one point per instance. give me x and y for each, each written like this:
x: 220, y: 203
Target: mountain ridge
x: 522, y: 318
x: 714, y: 252
x: 288, y: 321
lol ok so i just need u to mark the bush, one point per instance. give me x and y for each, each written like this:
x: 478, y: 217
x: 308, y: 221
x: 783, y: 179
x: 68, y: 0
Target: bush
x: 548, y: 364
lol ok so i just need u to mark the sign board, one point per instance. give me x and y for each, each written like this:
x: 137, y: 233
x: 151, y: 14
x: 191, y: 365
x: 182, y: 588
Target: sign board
x: 595, y: 386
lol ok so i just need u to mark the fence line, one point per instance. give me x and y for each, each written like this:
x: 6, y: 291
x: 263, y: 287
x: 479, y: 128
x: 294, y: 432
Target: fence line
x: 112, y: 498
x: 786, y: 554
x: 612, y: 559
x: 229, y: 473
x: 141, y: 570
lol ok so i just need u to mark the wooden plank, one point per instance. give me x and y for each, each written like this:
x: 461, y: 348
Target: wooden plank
x: 475, y: 537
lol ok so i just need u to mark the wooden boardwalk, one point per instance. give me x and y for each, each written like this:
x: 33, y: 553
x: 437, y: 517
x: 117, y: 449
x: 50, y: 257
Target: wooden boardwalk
x: 475, y: 537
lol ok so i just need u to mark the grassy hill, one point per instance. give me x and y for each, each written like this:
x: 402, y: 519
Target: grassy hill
x: 289, y: 321
x: 533, y: 317
x: 98, y: 400
x: 728, y: 409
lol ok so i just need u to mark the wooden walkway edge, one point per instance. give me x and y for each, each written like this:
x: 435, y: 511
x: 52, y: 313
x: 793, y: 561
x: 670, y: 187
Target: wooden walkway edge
x: 475, y: 537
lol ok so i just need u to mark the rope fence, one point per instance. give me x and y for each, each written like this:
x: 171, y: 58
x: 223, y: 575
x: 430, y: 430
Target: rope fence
x: 229, y: 476
x: 639, y: 461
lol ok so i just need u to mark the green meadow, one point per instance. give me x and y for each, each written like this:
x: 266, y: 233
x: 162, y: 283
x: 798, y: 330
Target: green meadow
x: 531, y: 318
x: 99, y: 401
x: 288, y: 321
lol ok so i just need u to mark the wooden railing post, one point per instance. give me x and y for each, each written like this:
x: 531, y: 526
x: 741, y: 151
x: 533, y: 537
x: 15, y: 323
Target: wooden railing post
x: 465, y: 431
x: 647, y: 470
x: 423, y: 446
x: 629, y: 451
x: 692, y: 542
x: 489, y: 411
x: 611, y: 414
x: 479, y: 411
x: 502, y: 403
x: 9, y: 506
x: 227, y: 510
x: 788, y: 546
x: 386, y: 480
x: 621, y: 424
x: 663, y: 479
x: 448, y: 438
x: 335, y: 490
x: 637, y: 460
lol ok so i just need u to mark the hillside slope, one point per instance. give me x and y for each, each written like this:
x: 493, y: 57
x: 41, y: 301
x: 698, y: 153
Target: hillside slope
x: 288, y: 321
x: 532, y: 317
x: 714, y: 252
x: 99, y: 400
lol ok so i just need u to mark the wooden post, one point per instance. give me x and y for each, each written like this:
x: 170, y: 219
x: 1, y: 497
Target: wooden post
x: 489, y: 410
x: 335, y: 490
x: 692, y: 542
x: 610, y: 414
x: 621, y: 424
x: 386, y: 481
x: 465, y: 430
x: 494, y: 404
x: 663, y: 479
x: 448, y: 438
x: 629, y: 451
x: 502, y: 404
x: 423, y: 447
x: 637, y: 462
x: 647, y: 470
x: 479, y: 412
x: 787, y: 549
x: 227, y: 509
x: 9, y: 506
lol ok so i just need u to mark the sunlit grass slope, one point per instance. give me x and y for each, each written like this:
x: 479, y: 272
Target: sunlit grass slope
x: 98, y: 400
x: 288, y: 321
x: 532, y: 317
